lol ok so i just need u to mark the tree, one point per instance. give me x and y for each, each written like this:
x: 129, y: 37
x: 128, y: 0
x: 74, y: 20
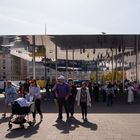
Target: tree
x: 93, y: 76
x: 108, y: 76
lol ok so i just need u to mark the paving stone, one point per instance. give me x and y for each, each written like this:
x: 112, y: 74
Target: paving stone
x: 100, y: 126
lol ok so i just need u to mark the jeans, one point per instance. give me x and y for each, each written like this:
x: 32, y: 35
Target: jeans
x: 37, y: 108
x: 83, y: 109
x: 71, y: 105
x: 62, y: 102
x: 109, y: 99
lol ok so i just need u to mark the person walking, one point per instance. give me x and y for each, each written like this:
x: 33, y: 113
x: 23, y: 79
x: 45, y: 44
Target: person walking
x: 130, y: 93
x: 53, y: 91
x: 72, y: 96
x: 110, y: 94
x: 34, y: 91
x: 96, y: 92
x: 83, y: 99
x: 115, y: 88
x: 104, y: 89
x: 10, y: 96
x: 25, y: 88
x: 62, y: 93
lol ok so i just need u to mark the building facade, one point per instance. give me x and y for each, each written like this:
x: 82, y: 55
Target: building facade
x: 11, y: 67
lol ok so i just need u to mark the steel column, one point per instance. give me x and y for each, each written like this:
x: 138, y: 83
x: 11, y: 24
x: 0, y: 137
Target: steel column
x: 33, y: 53
x: 73, y: 63
x: 66, y: 63
x: 56, y: 62
x: 137, y: 60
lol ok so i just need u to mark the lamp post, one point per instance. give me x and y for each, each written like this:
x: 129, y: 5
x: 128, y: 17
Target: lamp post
x: 56, y: 57
x: 33, y: 53
x: 123, y: 66
x: 73, y: 63
x: 45, y: 67
x: 112, y: 65
x: 45, y: 54
x: 97, y: 67
x: 96, y: 62
x: 66, y: 63
x: 116, y: 66
x: 56, y: 62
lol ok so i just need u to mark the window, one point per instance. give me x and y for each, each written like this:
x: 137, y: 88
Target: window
x: 37, y: 78
x: 42, y: 78
x: 4, y: 77
x: 3, y: 61
x: 3, y: 55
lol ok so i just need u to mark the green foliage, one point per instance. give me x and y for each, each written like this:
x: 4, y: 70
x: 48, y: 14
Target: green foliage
x: 107, y: 76
x: 116, y: 76
x: 93, y: 76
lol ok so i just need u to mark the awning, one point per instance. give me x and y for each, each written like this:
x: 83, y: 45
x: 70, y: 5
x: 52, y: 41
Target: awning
x: 94, y: 41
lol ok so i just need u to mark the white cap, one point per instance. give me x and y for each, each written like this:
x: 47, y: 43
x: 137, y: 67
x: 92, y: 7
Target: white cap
x: 61, y: 77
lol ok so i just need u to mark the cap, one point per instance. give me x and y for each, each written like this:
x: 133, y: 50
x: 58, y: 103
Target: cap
x: 9, y: 81
x: 61, y: 77
x: 70, y: 79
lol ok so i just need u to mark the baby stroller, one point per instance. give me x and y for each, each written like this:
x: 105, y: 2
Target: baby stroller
x: 20, y: 109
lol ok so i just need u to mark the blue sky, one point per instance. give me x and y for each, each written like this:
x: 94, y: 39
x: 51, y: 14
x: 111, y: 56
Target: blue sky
x: 69, y: 16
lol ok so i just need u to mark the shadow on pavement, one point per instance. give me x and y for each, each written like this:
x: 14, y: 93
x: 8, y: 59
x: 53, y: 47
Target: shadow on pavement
x: 72, y: 124
x: 120, y: 106
x: 23, y: 132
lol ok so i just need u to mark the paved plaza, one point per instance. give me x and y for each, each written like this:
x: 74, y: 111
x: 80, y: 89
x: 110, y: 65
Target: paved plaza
x: 119, y: 122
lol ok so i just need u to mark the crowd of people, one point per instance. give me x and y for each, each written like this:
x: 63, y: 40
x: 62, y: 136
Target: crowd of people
x: 65, y: 94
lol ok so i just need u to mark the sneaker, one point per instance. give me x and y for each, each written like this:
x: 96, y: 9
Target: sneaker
x: 86, y: 119
x: 59, y: 118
